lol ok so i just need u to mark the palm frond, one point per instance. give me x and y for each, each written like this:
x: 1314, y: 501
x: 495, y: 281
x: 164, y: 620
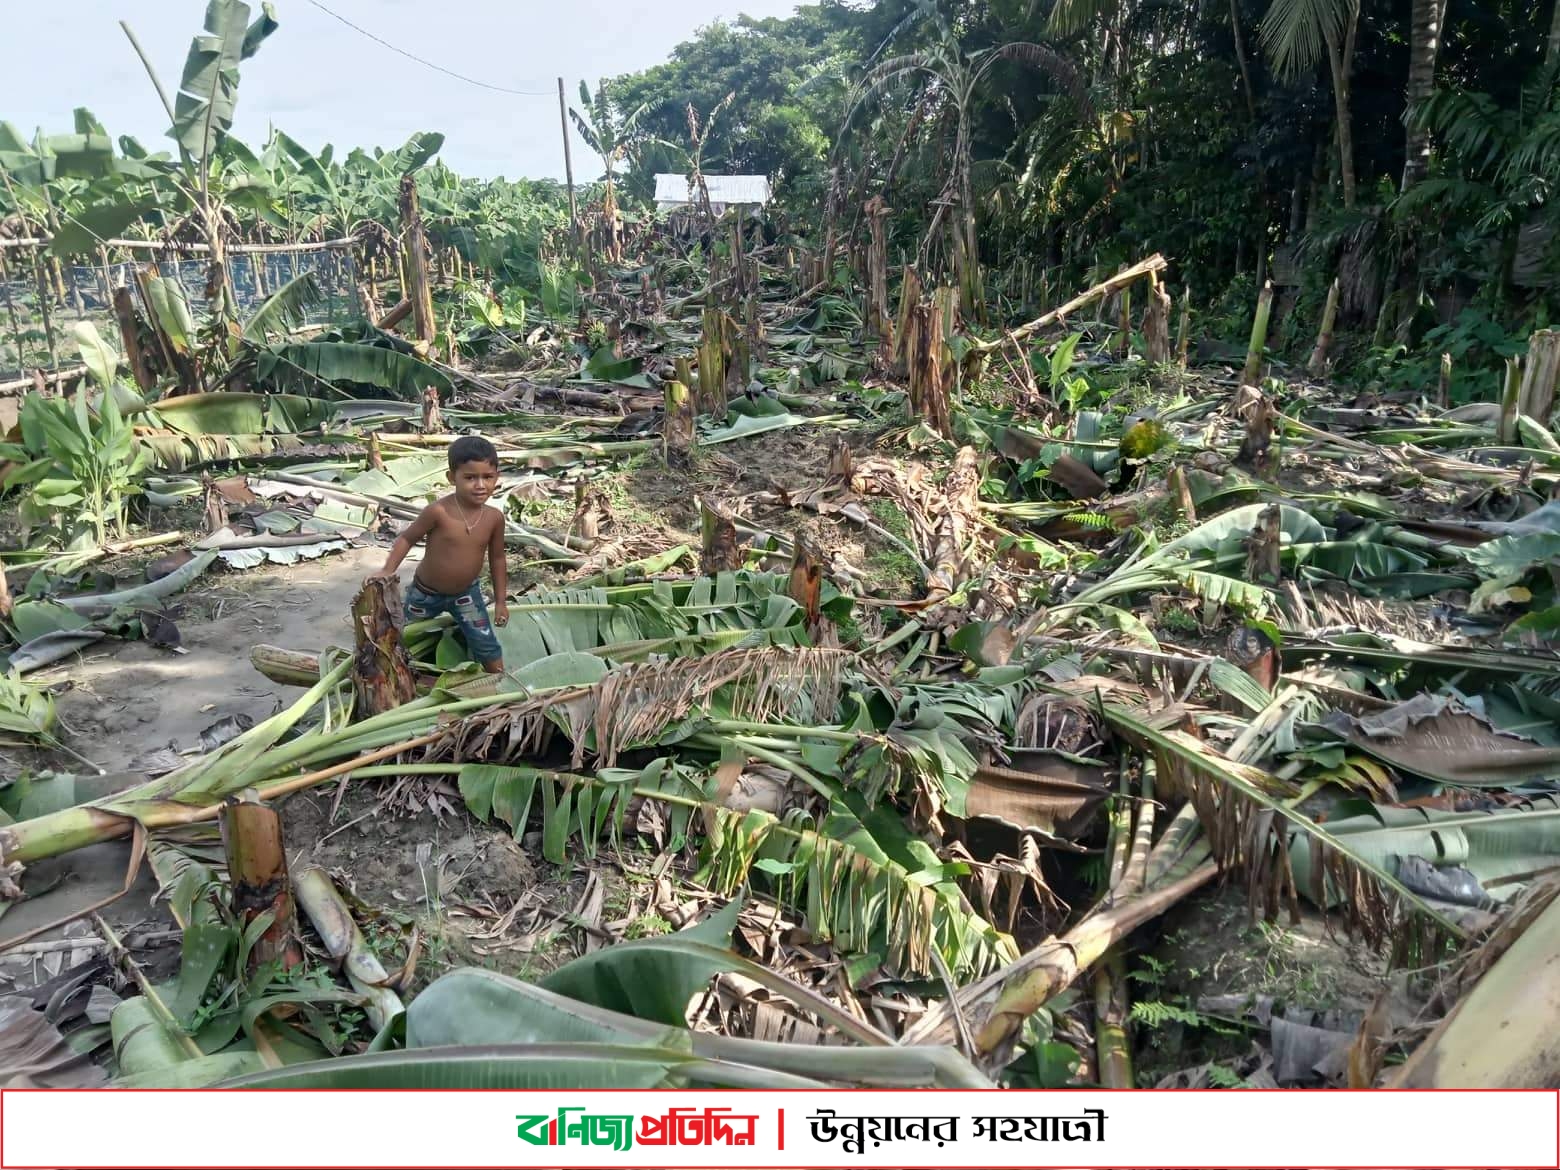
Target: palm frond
x: 1537, y: 154
x: 1442, y: 193
x: 1294, y: 33
x: 1471, y: 124
x: 1057, y: 66
x: 880, y: 76
x: 1069, y: 17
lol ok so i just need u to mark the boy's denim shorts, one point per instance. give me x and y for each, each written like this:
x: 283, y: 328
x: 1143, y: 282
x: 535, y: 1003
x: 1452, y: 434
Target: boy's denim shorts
x: 469, y: 610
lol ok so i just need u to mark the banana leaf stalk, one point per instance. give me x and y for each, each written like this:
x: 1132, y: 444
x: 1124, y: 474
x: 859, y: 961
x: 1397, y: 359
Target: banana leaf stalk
x: 1111, y: 1041
x: 593, y: 1065
x: 333, y: 922
x: 196, y: 792
x: 1129, y: 849
x: 999, y: 1004
x: 1240, y: 807
x: 551, y: 1066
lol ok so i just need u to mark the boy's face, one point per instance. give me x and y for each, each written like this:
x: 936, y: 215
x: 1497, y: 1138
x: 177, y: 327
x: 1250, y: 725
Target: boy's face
x: 474, y: 481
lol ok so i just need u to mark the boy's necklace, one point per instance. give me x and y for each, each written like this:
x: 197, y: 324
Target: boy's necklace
x: 470, y: 524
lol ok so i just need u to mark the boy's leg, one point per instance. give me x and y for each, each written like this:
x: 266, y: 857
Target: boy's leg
x: 419, y: 606
x: 472, y: 613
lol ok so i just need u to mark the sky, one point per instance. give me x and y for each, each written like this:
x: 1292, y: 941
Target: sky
x: 321, y: 81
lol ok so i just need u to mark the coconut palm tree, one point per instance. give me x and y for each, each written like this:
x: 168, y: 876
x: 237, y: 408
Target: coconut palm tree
x: 1499, y: 162
x: 1552, y: 49
x: 1295, y: 33
x: 1424, y: 42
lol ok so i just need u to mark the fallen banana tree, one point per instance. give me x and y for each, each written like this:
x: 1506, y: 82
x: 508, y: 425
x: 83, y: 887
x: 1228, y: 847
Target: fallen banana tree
x: 992, y: 1012
x: 1503, y: 1033
x: 764, y: 702
x: 614, y: 1018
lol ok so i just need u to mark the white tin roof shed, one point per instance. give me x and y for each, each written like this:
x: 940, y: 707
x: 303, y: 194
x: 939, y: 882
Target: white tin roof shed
x: 725, y: 190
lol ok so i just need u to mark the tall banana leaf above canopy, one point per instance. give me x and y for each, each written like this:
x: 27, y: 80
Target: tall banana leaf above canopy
x: 208, y: 91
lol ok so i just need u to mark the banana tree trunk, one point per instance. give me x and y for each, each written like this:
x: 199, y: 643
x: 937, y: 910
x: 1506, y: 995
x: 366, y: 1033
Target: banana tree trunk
x: 333, y: 922
x: 381, y: 668
x: 877, y: 269
x: 1540, y: 377
x: 1423, y: 45
x: 415, y: 245
x: 219, y: 289
x: 998, y: 1005
x: 257, y: 868
x: 130, y: 336
x: 971, y: 302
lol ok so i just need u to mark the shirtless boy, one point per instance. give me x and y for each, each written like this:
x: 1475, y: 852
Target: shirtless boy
x: 460, y: 528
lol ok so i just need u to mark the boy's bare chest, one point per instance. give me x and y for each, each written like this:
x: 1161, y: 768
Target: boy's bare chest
x: 470, y: 528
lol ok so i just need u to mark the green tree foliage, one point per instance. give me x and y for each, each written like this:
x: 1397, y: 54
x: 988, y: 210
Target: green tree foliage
x: 790, y: 78
x: 1213, y: 136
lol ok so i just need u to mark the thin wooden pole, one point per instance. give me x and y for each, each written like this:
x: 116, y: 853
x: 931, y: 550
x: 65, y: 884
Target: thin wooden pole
x: 568, y: 165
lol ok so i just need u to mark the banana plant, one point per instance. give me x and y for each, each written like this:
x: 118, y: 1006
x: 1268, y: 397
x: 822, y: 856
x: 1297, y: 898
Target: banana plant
x: 610, y: 136
x: 200, y: 120
x: 343, y: 196
x: 77, y: 464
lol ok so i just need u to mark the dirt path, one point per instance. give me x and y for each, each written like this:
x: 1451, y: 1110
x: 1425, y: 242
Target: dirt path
x: 134, y: 698
x: 129, y: 700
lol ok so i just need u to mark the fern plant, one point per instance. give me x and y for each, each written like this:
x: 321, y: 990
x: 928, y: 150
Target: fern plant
x: 1157, y: 1013
x: 1223, y: 1078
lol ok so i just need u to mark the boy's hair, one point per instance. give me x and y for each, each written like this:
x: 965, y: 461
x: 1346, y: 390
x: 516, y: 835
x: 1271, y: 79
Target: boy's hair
x: 472, y: 449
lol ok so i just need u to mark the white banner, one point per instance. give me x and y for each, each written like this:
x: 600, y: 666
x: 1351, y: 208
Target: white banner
x: 222, y: 1129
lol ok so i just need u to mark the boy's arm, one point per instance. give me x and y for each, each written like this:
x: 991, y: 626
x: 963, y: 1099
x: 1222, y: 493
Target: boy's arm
x: 407, y: 541
x: 500, y: 573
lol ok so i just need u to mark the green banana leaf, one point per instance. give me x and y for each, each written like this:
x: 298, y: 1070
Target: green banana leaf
x: 100, y: 358
x: 308, y: 367
x: 171, y: 310
x: 690, y: 617
x: 183, y: 452
x: 653, y: 978
x: 208, y: 90
x: 1223, y: 539
x: 1501, y: 848
x: 285, y: 309
x: 228, y: 414
x: 25, y: 710
x: 522, y: 1066
x: 470, y: 1008
x: 82, y: 233
x: 861, y: 879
